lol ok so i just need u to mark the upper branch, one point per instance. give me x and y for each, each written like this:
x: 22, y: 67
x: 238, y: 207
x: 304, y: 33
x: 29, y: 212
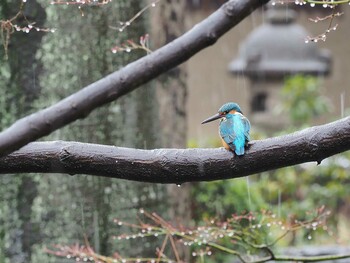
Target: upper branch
x: 180, y: 165
x: 113, y: 86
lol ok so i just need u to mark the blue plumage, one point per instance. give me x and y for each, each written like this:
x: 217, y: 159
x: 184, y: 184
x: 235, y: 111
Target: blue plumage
x: 234, y: 127
x: 234, y: 130
x: 229, y: 106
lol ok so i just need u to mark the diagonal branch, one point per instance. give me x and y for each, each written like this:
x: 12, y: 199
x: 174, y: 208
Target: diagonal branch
x: 180, y: 165
x: 132, y: 76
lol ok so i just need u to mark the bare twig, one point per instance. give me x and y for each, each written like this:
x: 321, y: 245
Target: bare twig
x: 124, y: 25
x: 323, y: 36
x: 131, y: 45
x: 81, y: 3
x: 332, y: 4
x: 8, y: 27
x: 206, y: 238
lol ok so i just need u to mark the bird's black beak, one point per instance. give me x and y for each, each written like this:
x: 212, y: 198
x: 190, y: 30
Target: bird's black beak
x: 213, y: 118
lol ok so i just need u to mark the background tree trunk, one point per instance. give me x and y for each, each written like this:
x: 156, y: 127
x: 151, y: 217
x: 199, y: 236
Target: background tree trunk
x: 18, y: 90
x: 169, y: 24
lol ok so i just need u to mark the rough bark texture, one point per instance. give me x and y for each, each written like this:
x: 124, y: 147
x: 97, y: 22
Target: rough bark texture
x: 171, y: 87
x: 110, y: 88
x: 184, y: 165
x: 19, y: 90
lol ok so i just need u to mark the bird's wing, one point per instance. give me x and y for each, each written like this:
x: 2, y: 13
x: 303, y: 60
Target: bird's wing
x: 226, y: 131
x: 246, y: 125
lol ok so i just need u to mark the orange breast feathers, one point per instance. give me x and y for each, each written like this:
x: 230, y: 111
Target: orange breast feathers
x: 225, y: 144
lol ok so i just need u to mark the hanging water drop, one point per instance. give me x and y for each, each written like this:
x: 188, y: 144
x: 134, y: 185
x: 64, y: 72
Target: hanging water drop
x: 342, y: 103
x: 248, y: 193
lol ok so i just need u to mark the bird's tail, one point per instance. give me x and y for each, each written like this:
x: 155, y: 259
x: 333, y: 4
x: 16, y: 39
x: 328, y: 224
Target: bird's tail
x: 239, y: 150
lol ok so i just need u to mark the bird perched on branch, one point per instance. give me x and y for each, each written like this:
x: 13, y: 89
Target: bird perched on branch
x: 234, y: 127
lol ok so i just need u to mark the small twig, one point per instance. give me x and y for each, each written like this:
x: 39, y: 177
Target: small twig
x: 326, y: 4
x: 131, y: 45
x: 310, y: 258
x: 81, y: 2
x: 331, y: 16
x: 125, y: 24
x: 176, y: 253
x: 330, y: 27
x: 7, y: 27
x: 161, y: 251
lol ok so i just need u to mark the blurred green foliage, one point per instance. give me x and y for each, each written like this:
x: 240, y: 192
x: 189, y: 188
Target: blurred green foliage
x: 302, y: 100
x: 219, y: 199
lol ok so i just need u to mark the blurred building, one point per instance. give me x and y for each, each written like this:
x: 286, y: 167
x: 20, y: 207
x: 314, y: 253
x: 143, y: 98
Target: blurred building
x: 219, y: 86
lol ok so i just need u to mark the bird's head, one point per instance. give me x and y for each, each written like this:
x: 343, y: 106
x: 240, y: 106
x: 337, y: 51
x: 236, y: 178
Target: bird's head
x: 225, y: 109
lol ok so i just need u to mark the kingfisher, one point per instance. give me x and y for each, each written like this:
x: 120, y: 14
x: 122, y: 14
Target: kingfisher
x: 234, y: 127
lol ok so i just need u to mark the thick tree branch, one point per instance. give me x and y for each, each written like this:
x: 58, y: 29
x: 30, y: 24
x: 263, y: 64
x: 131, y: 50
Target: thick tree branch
x: 110, y: 88
x: 184, y: 165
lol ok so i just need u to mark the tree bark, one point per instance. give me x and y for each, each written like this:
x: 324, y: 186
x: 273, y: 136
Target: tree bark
x: 180, y: 165
x: 19, y: 90
x: 110, y: 88
x: 169, y: 24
